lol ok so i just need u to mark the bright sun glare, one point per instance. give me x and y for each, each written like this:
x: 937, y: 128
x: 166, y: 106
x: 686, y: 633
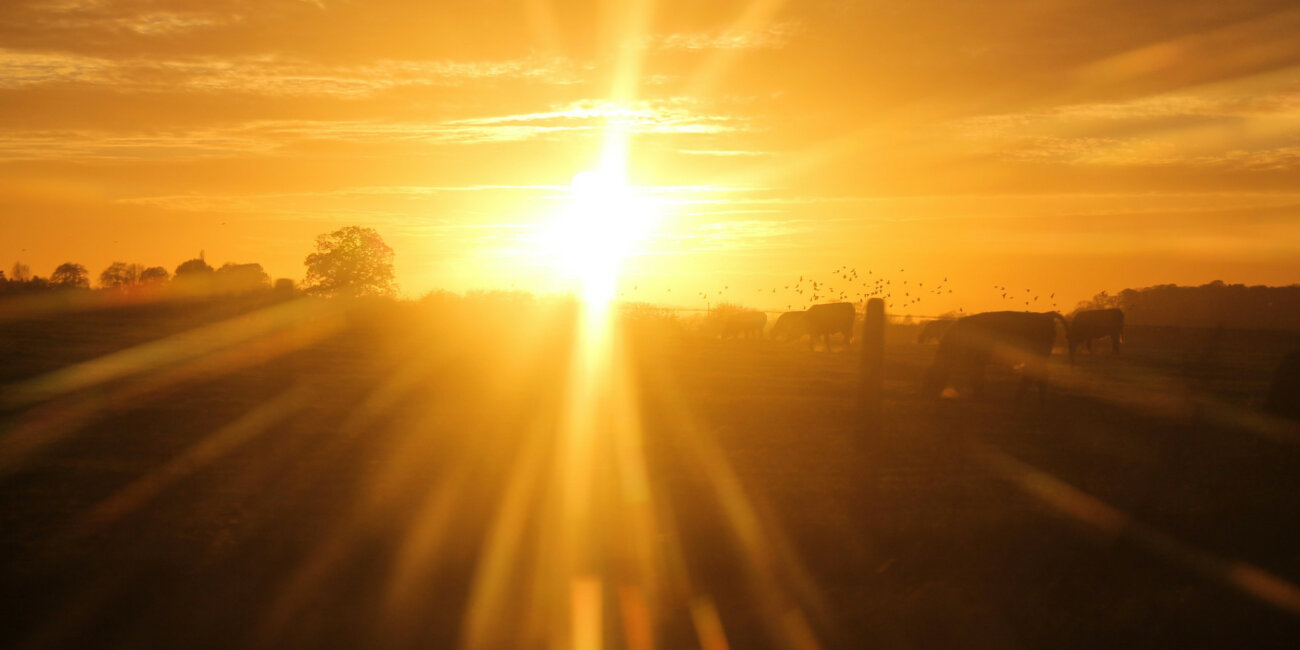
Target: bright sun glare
x: 602, y: 224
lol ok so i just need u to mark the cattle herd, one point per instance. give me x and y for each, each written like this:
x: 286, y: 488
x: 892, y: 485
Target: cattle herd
x: 825, y: 320
x: 966, y: 346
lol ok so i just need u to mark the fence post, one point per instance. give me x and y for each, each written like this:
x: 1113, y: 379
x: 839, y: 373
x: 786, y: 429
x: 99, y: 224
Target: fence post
x: 873, y: 366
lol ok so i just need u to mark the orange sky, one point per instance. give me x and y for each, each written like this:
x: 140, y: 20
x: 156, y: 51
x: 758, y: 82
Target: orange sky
x: 1059, y: 146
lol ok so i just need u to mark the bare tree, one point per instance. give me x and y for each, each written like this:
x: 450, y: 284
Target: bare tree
x: 20, y: 272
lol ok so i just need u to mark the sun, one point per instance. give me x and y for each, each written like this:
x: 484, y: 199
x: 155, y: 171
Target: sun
x: 603, y: 223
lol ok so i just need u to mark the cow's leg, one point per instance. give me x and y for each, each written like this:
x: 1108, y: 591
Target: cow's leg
x: 1041, y: 367
x: 977, y: 377
x: 1114, y: 343
x: 1087, y: 345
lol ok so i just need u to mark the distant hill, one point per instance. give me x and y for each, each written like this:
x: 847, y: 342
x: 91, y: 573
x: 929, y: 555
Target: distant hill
x: 1234, y: 306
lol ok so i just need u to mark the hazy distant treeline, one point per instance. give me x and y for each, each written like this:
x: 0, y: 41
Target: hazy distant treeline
x: 1232, y: 305
x: 351, y: 261
x: 193, y: 275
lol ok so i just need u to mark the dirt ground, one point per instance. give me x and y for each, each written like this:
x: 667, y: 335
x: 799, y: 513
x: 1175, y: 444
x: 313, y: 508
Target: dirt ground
x: 255, y: 474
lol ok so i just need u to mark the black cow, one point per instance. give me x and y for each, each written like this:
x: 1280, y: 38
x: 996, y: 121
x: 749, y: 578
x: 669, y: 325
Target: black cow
x: 789, y: 326
x: 745, y: 324
x: 825, y: 320
x: 933, y: 330
x: 1010, y: 337
x: 817, y: 321
x: 1094, y: 324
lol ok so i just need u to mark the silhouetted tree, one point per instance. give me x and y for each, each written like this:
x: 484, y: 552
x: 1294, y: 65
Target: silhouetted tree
x: 120, y: 275
x: 70, y: 276
x: 352, y: 262
x: 29, y: 283
x: 154, y: 275
x: 20, y: 272
x: 240, y: 278
x: 1209, y: 305
x: 189, y: 268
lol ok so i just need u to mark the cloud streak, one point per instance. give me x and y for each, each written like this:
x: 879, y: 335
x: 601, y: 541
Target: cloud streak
x: 1231, y: 130
x: 272, y: 75
x: 770, y: 37
x: 581, y: 118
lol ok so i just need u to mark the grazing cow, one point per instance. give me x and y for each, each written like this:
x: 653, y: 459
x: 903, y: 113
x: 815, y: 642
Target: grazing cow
x: 817, y: 321
x: 1010, y: 337
x: 789, y: 326
x: 828, y: 319
x: 745, y: 324
x: 1094, y: 324
x: 1284, y: 395
x: 933, y: 330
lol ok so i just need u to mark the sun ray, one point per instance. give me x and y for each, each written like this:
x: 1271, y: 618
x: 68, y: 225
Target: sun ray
x: 757, y: 14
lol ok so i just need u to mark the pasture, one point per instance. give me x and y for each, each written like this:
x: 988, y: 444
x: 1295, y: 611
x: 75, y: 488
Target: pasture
x: 305, y: 475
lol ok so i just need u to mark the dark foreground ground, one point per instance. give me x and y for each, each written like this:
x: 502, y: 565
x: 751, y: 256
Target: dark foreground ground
x: 302, y: 476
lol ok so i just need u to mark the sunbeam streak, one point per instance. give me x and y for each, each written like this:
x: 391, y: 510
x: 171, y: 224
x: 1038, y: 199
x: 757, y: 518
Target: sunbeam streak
x: 649, y: 324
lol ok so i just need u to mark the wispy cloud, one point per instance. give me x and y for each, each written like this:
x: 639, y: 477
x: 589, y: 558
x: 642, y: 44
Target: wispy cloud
x: 1208, y: 128
x: 158, y: 23
x: 75, y: 144
x: 726, y: 153
x: 266, y: 74
x: 146, y: 20
x: 1283, y: 104
x: 770, y: 37
x: 673, y: 115
x: 588, y: 117
x: 306, y: 202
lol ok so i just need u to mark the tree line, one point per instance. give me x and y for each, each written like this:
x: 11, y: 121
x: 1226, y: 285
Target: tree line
x: 349, y: 262
x: 1234, y: 306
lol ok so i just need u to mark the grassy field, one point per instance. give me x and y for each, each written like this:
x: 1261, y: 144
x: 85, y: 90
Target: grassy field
x: 245, y: 473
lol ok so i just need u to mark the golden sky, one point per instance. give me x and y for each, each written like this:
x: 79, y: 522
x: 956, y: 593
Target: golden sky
x: 1061, y: 146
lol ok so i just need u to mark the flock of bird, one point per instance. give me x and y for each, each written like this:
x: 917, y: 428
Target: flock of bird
x: 1011, y: 296
x: 845, y: 284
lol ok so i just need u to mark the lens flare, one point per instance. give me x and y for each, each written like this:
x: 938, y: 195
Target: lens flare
x: 603, y: 224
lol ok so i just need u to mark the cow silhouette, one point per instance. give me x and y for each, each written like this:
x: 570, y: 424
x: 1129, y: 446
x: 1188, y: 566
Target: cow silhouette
x: 745, y: 324
x: 933, y: 330
x: 1095, y: 324
x: 818, y: 321
x: 788, y: 326
x: 1013, y: 338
